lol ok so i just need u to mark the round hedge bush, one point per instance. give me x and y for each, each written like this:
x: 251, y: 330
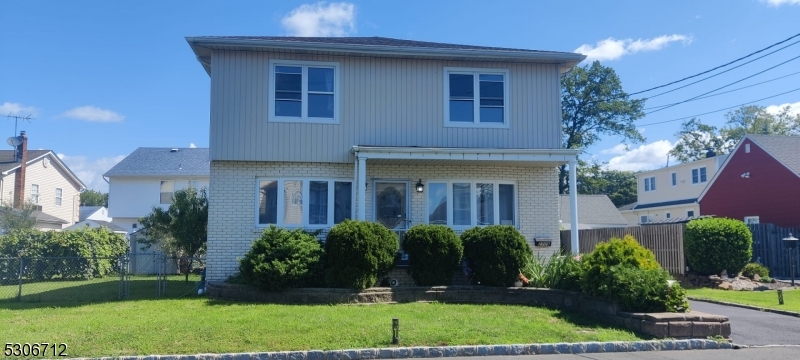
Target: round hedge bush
x: 646, y: 290
x: 434, y: 254
x: 359, y: 252
x: 282, y: 259
x: 496, y: 254
x: 715, y: 244
x: 752, y: 269
x: 597, y: 265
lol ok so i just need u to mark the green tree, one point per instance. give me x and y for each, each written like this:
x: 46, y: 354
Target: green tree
x: 695, y: 139
x: 594, y: 104
x: 17, y: 219
x: 94, y: 198
x: 181, y: 229
x: 620, y: 186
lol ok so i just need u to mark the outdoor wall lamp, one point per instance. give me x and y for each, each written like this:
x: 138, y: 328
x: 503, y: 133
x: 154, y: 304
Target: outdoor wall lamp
x: 791, y: 243
x: 420, y: 186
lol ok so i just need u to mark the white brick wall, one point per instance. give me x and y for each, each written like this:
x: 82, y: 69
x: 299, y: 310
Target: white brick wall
x: 232, y: 200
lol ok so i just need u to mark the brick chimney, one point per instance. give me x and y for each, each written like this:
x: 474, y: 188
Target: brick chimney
x: 19, y: 182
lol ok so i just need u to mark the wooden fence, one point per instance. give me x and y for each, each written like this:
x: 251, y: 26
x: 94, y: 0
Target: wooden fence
x: 769, y: 250
x: 665, y: 241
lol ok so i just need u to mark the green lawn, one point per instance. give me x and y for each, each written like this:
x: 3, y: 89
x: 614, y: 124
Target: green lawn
x: 196, y: 325
x: 100, y: 289
x: 764, y: 299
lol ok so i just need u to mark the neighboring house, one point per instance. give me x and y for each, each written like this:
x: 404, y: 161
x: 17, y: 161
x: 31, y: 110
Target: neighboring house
x: 594, y: 212
x: 148, y: 177
x: 759, y: 183
x: 306, y: 132
x: 671, y: 191
x: 94, y: 213
x: 99, y: 223
x: 45, y: 181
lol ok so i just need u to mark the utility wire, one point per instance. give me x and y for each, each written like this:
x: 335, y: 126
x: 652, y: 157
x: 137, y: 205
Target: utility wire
x: 729, y: 91
x: 724, y: 86
x: 727, y: 108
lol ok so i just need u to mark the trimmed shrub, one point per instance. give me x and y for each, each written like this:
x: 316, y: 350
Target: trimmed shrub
x: 358, y: 253
x: 282, y: 259
x: 625, y: 252
x: 560, y: 271
x: 496, y: 254
x: 434, y: 254
x: 646, y: 290
x: 752, y: 269
x: 715, y: 244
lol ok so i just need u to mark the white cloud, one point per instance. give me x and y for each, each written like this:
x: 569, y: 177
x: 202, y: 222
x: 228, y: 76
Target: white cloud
x: 619, y: 149
x: 321, y: 19
x: 612, y: 49
x: 776, y: 109
x: 93, y: 114
x: 777, y: 3
x: 192, y: 146
x: 645, y: 157
x: 9, y: 108
x: 91, y: 171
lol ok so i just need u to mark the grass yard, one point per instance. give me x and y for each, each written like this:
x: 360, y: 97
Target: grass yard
x: 197, y: 325
x: 764, y: 299
x: 99, y: 289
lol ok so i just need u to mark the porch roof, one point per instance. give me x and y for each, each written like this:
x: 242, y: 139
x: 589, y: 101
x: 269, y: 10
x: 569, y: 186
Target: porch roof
x: 438, y: 156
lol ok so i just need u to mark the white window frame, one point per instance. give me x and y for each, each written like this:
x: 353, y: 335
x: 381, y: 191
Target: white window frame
x: 673, y: 176
x: 35, y: 194
x: 59, y: 196
x: 644, y: 217
x: 747, y: 148
x: 699, y: 175
x: 304, y: 106
x: 160, y: 193
x: 690, y: 211
x: 667, y: 215
x: 751, y: 220
x: 476, y: 72
x: 305, y: 194
x: 473, y: 216
x: 651, y: 186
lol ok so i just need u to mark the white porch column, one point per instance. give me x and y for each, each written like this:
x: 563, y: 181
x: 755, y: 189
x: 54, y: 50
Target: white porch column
x: 362, y: 189
x: 573, y: 206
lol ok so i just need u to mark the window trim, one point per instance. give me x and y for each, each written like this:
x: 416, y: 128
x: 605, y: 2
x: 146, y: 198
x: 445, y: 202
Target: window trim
x: 304, y: 92
x: 305, y: 194
x: 35, y: 197
x: 673, y: 176
x: 160, y: 193
x: 689, y: 211
x: 699, y: 176
x: 667, y: 215
x: 652, y: 182
x: 59, y: 199
x: 473, y: 216
x: 476, y: 100
x: 645, y: 216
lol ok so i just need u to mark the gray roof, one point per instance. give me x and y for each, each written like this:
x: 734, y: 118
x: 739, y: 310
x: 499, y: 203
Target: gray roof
x: 86, y: 211
x: 45, y: 218
x: 676, y: 220
x: 592, y: 209
x: 630, y: 206
x: 109, y: 225
x: 8, y: 160
x: 785, y: 149
x: 163, y: 162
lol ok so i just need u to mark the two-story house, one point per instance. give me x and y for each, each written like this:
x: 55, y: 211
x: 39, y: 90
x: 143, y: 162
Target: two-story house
x: 40, y: 178
x: 671, y: 192
x: 306, y: 132
x: 148, y: 177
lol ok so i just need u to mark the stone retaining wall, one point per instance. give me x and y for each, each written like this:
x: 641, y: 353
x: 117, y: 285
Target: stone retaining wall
x: 660, y: 325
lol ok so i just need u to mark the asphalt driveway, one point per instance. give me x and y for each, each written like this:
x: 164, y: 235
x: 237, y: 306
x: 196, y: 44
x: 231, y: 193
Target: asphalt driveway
x: 753, y: 327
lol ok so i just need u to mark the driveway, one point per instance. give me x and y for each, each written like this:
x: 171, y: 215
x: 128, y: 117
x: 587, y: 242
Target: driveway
x: 744, y: 354
x: 753, y: 327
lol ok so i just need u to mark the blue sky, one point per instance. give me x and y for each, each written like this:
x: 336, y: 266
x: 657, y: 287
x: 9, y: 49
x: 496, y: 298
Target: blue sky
x: 103, y: 78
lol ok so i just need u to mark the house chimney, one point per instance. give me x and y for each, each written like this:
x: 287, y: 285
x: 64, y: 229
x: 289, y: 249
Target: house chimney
x: 710, y: 153
x: 19, y: 182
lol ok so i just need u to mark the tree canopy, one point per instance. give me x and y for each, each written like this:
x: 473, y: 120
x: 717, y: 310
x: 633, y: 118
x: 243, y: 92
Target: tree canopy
x: 17, y: 219
x: 620, y: 186
x: 94, y: 198
x: 594, y: 104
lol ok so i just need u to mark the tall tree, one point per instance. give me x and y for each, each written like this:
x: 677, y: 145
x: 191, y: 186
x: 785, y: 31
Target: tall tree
x: 594, y: 104
x: 619, y: 186
x: 94, y: 198
x: 695, y: 139
x: 182, y: 228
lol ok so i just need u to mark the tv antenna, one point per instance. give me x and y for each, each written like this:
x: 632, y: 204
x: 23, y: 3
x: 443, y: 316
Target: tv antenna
x: 17, y: 118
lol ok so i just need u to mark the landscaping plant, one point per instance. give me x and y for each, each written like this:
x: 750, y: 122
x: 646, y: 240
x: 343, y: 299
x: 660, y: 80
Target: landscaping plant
x: 496, y: 254
x: 715, y: 244
x: 434, y: 254
x: 646, y: 290
x: 359, y: 253
x: 559, y: 271
x: 752, y: 269
x: 597, y: 264
x: 282, y: 259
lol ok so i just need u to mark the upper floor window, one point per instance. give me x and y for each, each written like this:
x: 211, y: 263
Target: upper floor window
x: 674, y: 177
x: 35, y: 193
x: 167, y: 188
x: 476, y: 97
x: 699, y: 175
x: 650, y: 183
x: 304, y: 91
x: 59, y: 194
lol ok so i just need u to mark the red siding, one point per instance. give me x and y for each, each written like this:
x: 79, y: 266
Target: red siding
x: 772, y: 192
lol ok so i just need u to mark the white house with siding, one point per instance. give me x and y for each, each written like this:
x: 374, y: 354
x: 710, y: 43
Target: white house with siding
x: 306, y: 132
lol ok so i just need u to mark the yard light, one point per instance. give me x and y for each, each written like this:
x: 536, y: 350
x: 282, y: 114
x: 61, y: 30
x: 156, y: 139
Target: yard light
x: 395, y: 331
x: 791, y: 243
x: 420, y: 186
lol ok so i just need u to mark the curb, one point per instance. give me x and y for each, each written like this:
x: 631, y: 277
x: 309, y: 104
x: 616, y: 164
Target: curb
x: 751, y: 307
x: 453, y: 351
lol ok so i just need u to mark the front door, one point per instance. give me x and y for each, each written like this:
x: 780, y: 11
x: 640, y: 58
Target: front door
x: 391, y: 204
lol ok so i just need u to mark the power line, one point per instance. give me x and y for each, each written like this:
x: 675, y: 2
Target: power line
x: 729, y: 91
x: 715, y: 111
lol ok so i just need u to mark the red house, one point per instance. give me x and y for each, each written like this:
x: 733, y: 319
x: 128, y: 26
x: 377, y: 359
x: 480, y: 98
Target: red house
x: 758, y: 183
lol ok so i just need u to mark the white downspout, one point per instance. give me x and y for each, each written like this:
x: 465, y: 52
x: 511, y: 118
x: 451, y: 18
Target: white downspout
x: 362, y: 189
x: 573, y: 201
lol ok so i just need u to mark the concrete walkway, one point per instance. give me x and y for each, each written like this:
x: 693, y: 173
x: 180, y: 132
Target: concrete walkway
x: 752, y: 327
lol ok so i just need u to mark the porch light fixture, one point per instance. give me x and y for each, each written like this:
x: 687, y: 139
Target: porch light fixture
x: 791, y: 243
x: 420, y: 186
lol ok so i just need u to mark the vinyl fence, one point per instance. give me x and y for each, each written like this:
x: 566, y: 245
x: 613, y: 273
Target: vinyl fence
x: 665, y: 241
x: 770, y: 251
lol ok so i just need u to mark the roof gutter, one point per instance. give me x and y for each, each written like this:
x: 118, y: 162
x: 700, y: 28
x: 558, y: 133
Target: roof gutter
x: 394, y: 149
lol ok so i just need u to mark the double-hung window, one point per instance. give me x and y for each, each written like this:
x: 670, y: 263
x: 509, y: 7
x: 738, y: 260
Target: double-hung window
x: 699, y: 175
x: 35, y: 193
x: 304, y: 91
x: 59, y: 194
x: 167, y: 188
x: 674, y: 177
x: 303, y: 202
x: 471, y: 203
x: 476, y: 97
x: 650, y: 183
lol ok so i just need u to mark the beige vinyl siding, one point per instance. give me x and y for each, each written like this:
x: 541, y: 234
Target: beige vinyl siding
x: 134, y: 197
x: 684, y: 188
x: 382, y: 101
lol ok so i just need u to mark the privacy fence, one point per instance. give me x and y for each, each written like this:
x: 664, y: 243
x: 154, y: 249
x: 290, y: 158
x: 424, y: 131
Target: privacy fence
x: 770, y: 250
x: 81, y: 279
